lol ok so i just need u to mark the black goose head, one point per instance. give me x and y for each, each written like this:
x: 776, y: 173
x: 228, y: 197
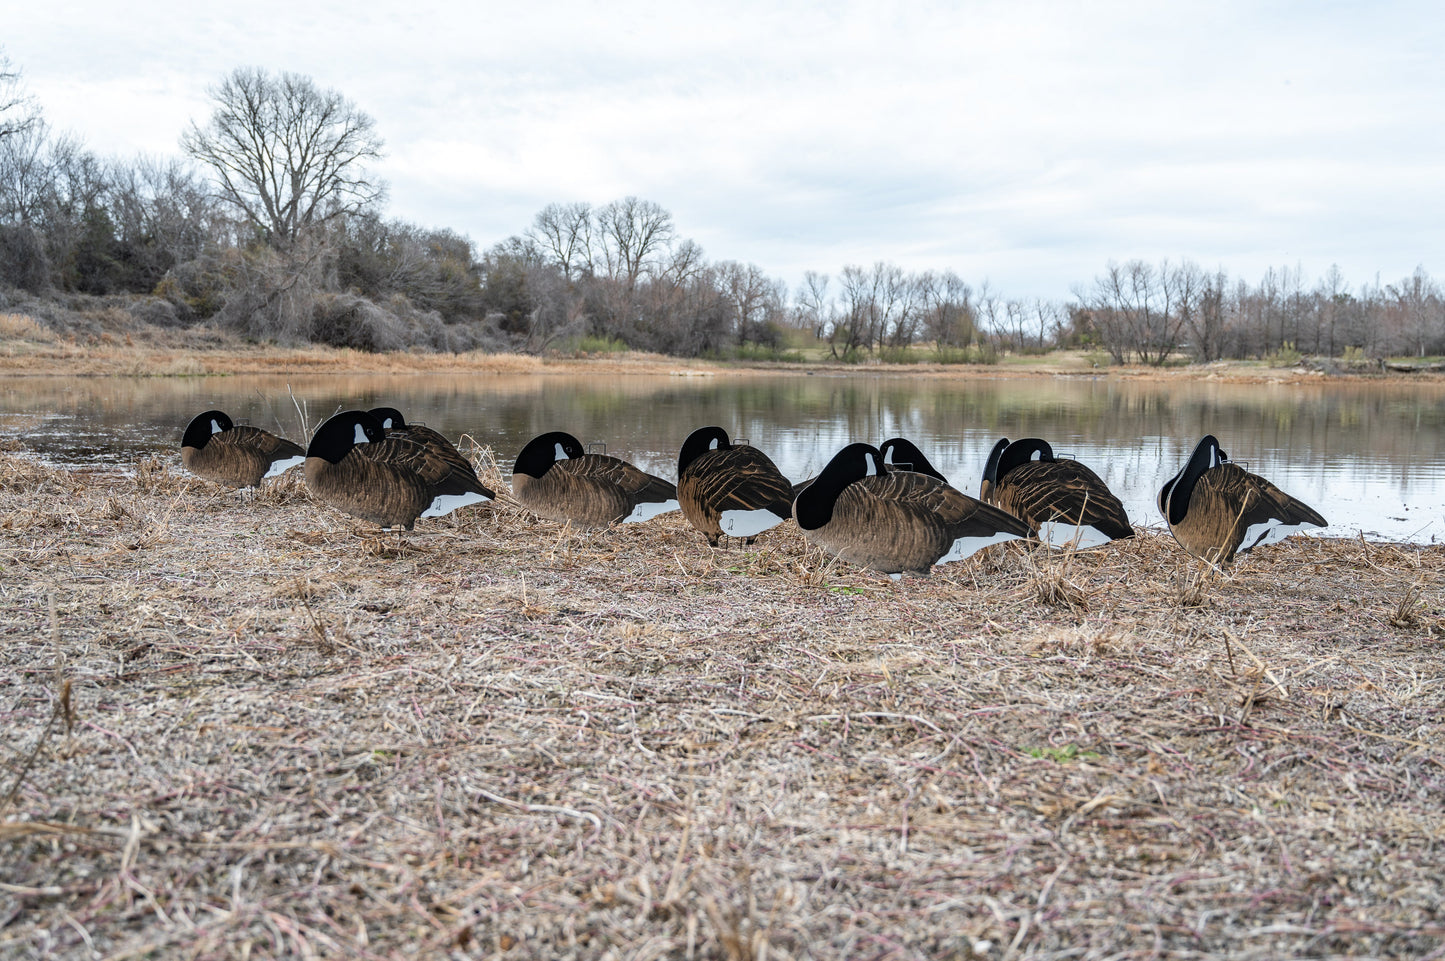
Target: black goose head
x: 202, y: 426
x: 1174, y: 495
x: 1020, y: 452
x: 335, y: 438
x: 699, y: 442
x: 814, y: 506
x: 904, y: 454
x: 544, y: 450
x: 388, y: 417
x: 990, y: 470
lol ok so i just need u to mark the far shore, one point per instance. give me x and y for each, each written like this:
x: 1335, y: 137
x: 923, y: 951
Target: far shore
x: 219, y: 355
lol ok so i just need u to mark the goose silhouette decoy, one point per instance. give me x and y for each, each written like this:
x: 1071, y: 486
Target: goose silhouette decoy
x: 395, y: 425
x: 899, y: 453
x: 728, y: 489
x: 556, y: 479
x: 1216, y: 509
x: 1065, y: 503
x: 896, y: 521
x: 391, y: 481
x: 215, y: 448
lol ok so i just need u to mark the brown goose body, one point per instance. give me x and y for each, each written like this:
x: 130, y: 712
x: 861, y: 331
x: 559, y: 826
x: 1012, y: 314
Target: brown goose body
x: 235, y: 456
x: 724, y: 489
x: 396, y: 426
x: 896, y: 521
x: 1216, y: 509
x: 554, y: 478
x: 390, y: 481
x: 1063, y: 501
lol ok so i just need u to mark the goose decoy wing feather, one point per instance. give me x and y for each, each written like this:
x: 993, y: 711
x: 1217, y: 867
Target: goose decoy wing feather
x: 736, y: 479
x: 604, y: 490
x: 449, y: 485
x: 968, y: 524
x: 628, y: 478
x: 439, y: 443
x: 749, y: 481
x: 905, y: 521
x: 267, y: 443
x: 1064, y: 501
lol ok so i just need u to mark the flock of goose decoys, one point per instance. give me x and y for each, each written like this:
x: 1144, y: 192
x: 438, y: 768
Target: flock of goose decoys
x: 885, y: 508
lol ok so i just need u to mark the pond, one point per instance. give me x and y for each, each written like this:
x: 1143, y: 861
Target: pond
x: 1370, y: 456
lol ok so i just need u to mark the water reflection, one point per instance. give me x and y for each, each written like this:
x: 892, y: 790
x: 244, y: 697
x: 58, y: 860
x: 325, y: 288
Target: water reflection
x: 1367, y: 455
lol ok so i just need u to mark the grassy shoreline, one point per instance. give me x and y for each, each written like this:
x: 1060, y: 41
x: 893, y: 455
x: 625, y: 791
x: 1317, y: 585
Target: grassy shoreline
x: 259, y: 729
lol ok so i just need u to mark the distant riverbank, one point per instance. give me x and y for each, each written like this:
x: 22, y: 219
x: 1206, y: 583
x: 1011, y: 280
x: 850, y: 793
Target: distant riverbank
x: 28, y: 349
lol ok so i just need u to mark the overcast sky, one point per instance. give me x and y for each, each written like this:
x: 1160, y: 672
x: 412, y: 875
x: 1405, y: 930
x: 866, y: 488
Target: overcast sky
x: 1024, y: 143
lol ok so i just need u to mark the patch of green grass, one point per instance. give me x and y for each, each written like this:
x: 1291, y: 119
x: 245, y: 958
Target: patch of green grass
x: 760, y: 352
x: 593, y: 344
x: 1062, y: 755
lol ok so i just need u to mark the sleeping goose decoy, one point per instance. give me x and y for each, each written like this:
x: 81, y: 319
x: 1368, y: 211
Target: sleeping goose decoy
x: 899, y: 454
x: 554, y: 478
x: 391, y: 481
x: 218, y: 450
x: 895, y: 520
x: 395, y: 425
x: 1216, y: 509
x: 1063, y: 502
x: 727, y: 489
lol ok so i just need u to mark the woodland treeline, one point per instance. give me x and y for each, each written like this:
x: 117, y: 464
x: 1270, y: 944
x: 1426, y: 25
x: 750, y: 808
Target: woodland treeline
x: 269, y: 224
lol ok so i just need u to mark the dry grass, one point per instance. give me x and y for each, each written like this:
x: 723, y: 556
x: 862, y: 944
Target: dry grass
x: 23, y: 327
x: 255, y: 729
x: 29, y: 348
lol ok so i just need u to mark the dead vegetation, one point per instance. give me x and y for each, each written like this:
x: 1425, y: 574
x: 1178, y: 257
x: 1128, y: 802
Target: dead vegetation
x: 247, y: 727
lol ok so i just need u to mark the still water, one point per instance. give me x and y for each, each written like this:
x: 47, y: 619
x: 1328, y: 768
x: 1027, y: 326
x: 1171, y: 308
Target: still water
x: 1369, y: 456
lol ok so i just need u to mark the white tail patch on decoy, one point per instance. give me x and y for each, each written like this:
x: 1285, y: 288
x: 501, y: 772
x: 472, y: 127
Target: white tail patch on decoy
x: 968, y: 546
x: 1271, y: 531
x: 646, y: 512
x: 281, y: 466
x: 1064, y: 534
x: 446, y: 503
x: 748, y: 523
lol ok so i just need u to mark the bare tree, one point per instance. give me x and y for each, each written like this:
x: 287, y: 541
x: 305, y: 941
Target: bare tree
x: 1417, y: 313
x: 1134, y: 308
x: 949, y: 318
x: 632, y: 231
x: 17, y: 109
x: 1206, y: 313
x: 814, y: 306
x: 990, y: 311
x: 286, y: 153
x: 565, y: 232
x: 27, y: 175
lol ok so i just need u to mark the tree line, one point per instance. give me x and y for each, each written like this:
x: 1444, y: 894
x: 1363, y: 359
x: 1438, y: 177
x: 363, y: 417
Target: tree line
x: 270, y: 224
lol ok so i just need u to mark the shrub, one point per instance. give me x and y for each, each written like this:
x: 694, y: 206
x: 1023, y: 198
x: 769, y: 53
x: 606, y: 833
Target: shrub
x: 23, y: 262
x: 1286, y: 356
x: 971, y: 354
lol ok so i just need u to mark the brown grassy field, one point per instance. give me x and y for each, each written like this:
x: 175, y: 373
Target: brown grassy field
x: 252, y: 728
